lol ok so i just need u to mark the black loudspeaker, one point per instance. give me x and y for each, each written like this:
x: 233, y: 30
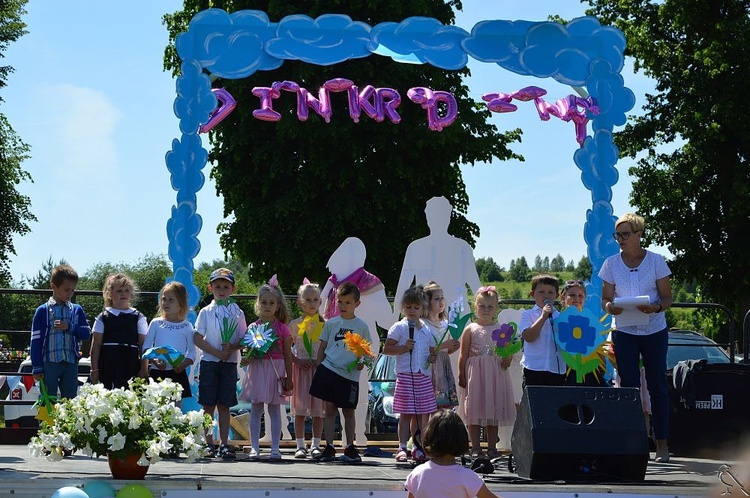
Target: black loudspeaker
x: 580, y: 433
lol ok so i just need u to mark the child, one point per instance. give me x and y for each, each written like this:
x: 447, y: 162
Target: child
x: 412, y: 342
x: 445, y: 439
x: 487, y: 396
x: 219, y: 329
x: 333, y: 382
x: 264, y: 374
x: 119, y: 332
x: 303, y: 369
x: 171, y: 328
x: 56, y: 329
x: 542, y: 363
x: 442, y: 373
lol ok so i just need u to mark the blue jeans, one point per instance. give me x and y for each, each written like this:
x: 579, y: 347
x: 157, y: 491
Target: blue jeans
x: 62, y: 375
x: 652, y: 348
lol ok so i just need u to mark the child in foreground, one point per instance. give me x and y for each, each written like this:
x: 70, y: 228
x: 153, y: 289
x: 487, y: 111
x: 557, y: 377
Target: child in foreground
x: 445, y: 439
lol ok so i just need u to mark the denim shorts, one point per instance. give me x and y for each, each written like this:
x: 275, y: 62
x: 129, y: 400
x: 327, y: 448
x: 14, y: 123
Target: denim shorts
x: 217, y: 384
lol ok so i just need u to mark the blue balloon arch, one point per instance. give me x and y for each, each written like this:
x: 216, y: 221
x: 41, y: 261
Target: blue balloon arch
x: 582, y: 53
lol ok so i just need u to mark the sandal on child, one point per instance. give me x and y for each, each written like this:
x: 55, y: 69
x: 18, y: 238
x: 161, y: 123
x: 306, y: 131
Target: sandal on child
x: 226, y: 452
x: 401, y: 456
x: 211, y: 451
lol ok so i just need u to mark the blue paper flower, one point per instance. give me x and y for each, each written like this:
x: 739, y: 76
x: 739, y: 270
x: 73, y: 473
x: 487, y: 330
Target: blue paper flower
x: 577, y: 334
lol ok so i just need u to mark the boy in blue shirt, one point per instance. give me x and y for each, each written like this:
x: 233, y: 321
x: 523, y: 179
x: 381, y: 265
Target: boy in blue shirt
x: 56, y: 330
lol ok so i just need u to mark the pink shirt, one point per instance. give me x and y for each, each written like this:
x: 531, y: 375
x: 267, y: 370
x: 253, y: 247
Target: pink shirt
x: 282, y: 331
x: 430, y: 480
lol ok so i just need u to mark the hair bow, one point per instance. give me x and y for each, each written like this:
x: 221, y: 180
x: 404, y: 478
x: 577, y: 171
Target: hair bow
x: 305, y: 281
x: 487, y: 289
x: 273, y: 281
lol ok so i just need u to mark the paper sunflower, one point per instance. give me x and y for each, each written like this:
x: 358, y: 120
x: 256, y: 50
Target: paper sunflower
x: 581, y: 336
x: 361, y: 349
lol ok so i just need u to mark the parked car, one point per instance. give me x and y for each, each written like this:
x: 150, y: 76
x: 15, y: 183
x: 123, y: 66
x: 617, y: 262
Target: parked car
x: 380, y: 415
x: 691, y: 345
x: 25, y: 415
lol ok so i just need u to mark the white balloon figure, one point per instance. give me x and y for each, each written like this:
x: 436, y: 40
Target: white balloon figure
x: 441, y: 257
x: 347, y: 265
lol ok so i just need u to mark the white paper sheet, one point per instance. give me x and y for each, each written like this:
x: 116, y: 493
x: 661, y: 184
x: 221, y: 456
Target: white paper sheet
x: 630, y: 314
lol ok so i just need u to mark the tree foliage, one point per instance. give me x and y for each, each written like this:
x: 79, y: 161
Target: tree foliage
x: 14, y: 207
x: 584, y: 269
x: 295, y: 190
x: 519, y: 270
x: 489, y: 271
x: 692, y: 143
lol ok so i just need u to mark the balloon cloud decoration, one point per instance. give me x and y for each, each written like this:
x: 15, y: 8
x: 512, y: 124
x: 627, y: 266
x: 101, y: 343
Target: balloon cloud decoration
x: 582, y: 53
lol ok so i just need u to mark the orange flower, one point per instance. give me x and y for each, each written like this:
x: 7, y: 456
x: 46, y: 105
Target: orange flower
x: 357, y: 344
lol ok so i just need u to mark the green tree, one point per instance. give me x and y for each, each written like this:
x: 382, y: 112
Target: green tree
x: 584, y: 269
x: 14, y: 207
x: 488, y: 270
x: 296, y: 190
x: 692, y: 142
x: 557, y: 264
x: 519, y: 270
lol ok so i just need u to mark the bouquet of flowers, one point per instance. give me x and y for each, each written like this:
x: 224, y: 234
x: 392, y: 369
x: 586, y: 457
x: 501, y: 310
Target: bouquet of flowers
x: 361, y: 349
x: 141, y: 419
x: 259, y: 339
x: 310, y: 329
x: 227, y: 312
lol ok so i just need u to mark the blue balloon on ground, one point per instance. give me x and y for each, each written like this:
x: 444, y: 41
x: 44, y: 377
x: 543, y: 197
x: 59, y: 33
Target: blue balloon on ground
x: 135, y: 491
x: 99, y: 489
x: 70, y: 492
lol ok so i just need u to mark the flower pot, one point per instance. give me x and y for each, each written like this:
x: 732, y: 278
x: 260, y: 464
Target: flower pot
x: 126, y: 467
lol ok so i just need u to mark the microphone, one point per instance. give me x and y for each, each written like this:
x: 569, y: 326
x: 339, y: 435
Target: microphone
x: 412, y: 325
x: 546, y: 302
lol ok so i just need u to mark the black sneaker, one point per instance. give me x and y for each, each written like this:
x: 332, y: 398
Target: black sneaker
x: 351, y: 455
x: 329, y: 454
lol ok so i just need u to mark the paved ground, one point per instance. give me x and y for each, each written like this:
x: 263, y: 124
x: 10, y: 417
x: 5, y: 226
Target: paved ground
x: 24, y: 475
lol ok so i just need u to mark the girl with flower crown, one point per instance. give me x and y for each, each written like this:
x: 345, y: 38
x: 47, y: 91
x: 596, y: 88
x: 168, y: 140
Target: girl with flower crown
x: 267, y: 370
x: 307, y: 329
x: 486, y: 397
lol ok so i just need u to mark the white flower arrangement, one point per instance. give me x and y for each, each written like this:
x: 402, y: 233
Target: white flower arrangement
x: 142, y: 418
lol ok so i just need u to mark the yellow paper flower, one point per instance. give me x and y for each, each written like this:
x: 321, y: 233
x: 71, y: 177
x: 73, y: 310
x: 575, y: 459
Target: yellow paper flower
x: 312, y: 326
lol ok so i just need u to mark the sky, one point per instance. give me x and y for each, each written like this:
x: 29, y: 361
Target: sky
x: 90, y: 97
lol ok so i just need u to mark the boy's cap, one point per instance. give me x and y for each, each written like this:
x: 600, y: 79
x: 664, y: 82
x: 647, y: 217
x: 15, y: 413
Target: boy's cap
x: 224, y: 273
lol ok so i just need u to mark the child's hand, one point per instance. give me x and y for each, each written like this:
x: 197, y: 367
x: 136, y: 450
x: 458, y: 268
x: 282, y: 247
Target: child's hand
x: 462, y: 381
x: 244, y: 361
x: 360, y: 366
x: 505, y: 362
x: 225, y: 352
x: 178, y: 369
x: 452, y: 345
x: 432, y: 357
x: 409, y: 344
x: 38, y: 377
x: 160, y: 364
x: 287, y: 383
x: 143, y: 373
x: 61, y: 325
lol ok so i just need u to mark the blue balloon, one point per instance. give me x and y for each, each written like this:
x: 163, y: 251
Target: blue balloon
x: 99, y: 489
x: 70, y: 492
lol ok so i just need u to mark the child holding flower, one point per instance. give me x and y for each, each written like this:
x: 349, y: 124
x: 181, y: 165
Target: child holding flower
x: 412, y: 342
x: 270, y: 360
x: 308, y: 328
x: 343, y: 353
x: 442, y: 372
x: 219, y: 329
x: 486, y: 398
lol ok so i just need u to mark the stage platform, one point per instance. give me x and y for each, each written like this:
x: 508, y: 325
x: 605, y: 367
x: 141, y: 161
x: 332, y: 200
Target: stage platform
x: 22, y: 475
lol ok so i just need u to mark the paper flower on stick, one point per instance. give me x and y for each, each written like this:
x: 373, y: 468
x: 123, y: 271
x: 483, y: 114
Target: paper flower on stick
x: 44, y: 404
x: 361, y: 349
x: 456, y: 320
x: 167, y: 354
x: 581, y: 336
x: 309, y: 329
x: 506, y: 340
x: 259, y: 339
x: 227, y: 312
